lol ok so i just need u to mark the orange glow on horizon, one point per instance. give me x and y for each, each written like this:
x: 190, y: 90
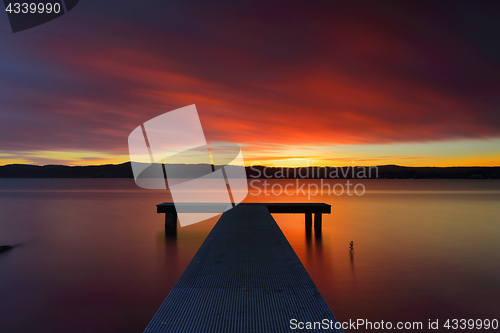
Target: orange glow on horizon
x: 434, y: 154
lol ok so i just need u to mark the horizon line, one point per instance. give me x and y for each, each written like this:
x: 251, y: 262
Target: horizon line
x: 261, y: 165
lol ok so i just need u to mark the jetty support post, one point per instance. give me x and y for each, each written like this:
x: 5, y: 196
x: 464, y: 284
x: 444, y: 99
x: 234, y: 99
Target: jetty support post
x: 171, y: 219
x: 309, y: 220
x: 318, y: 222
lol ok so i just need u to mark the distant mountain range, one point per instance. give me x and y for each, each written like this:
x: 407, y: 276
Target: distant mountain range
x: 385, y: 172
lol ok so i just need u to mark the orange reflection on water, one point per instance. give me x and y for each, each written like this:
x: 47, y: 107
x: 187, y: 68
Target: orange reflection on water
x: 422, y: 249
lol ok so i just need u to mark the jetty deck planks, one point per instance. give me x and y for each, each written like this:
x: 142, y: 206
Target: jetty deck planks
x: 244, y: 278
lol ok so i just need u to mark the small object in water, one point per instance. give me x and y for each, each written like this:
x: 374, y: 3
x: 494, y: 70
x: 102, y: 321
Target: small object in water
x: 5, y: 248
x: 351, y: 246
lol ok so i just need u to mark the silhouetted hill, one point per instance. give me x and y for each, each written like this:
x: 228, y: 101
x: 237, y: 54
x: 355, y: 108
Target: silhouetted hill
x: 62, y: 171
x: 385, y: 172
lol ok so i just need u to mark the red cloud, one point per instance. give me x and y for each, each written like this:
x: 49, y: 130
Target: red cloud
x: 339, y: 75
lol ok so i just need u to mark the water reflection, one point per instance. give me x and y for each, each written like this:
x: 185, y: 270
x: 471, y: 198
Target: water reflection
x: 309, y: 232
x: 318, y: 232
x: 351, y: 255
x: 101, y: 243
x: 171, y: 245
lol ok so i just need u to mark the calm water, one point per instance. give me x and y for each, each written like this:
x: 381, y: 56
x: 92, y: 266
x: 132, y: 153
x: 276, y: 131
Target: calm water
x: 92, y: 254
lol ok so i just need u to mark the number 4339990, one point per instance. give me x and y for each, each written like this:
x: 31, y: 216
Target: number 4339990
x: 32, y: 8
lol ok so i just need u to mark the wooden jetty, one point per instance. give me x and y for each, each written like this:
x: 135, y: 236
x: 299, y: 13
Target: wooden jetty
x: 244, y: 278
x: 170, y: 210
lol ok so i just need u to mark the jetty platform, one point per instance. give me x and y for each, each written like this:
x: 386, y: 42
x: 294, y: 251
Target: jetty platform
x: 244, y: 278
x: 170, y: 210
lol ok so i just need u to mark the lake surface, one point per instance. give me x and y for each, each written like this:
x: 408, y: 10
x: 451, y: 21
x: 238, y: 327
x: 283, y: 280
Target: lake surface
x: 92, y: 255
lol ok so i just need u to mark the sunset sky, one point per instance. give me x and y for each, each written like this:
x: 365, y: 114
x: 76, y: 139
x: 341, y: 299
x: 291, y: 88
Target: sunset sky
x: 292, y: 82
